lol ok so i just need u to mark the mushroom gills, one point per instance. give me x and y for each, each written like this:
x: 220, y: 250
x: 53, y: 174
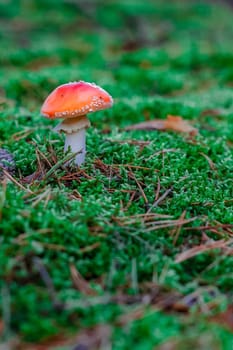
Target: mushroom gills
x: 72, y: 125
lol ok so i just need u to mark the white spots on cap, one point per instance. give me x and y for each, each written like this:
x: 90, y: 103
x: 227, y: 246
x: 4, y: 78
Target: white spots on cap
x: 75, y: 113
x: 71, y: 114
x: 96, y: 103
x: 61, y: 114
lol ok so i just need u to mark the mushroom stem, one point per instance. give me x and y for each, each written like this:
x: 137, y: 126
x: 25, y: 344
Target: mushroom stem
x: 76, y: 142
x: 75, y: 130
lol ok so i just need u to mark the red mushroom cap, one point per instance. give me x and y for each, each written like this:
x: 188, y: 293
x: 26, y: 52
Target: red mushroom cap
x: 75, y: 99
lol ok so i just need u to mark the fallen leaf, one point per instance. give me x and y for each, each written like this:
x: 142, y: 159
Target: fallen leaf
x: 1, y: 327
x: 174, y: 123
x: 225, y: 318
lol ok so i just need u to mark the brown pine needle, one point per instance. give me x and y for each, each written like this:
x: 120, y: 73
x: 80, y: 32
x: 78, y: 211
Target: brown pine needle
x: 157, y: 190
x: 162, y: 151
x: 89, y: 248
x: 210, y: 227
x: 139, y: 186
x: 132, y: 166
x: 190, y: 253
x: 79, y: 282
x: 210, y: 162
x: 171, y: 223
x: 23, y: 236
x: 159, y: 200
x: 147, y: 219
x: 11, y: 178
x: 178, y: 229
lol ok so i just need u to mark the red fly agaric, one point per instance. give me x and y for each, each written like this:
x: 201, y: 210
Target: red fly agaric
x: 72, y: 102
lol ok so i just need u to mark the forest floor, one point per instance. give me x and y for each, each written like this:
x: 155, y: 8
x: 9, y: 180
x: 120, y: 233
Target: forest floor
x: 134, y: 249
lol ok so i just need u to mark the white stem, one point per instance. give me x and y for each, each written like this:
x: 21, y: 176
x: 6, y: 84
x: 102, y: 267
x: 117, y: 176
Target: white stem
x: 76, y: 141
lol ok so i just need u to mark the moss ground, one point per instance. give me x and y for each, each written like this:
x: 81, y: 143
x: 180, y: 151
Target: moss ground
x: 155, y: 58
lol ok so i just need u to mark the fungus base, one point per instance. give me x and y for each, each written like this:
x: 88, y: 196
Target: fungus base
x: 76, y: 142
x: 75, y: 130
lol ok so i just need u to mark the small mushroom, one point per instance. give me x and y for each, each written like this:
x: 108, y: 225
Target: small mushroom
x: 72, y: 102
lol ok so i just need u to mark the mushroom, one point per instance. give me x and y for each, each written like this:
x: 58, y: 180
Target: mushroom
x: 72, y: 101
